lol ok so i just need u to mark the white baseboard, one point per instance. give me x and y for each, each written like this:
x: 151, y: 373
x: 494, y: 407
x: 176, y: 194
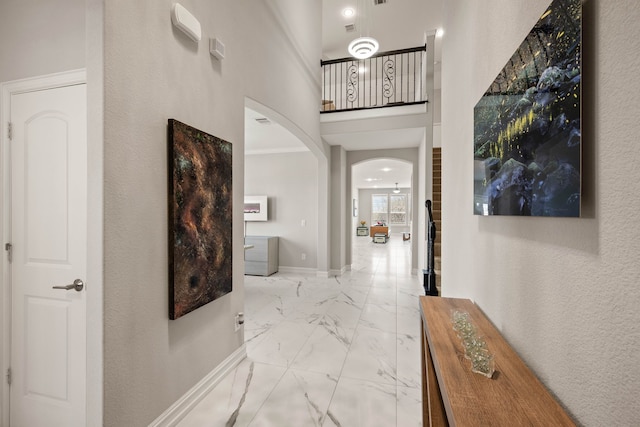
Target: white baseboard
x: 172, y: 416
x: 296, y: 270
x: 338, y: 272
x: 304, y: 270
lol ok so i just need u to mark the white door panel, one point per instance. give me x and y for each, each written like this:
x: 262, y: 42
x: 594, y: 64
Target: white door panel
x: 46, y: 166
x: 48, y: 227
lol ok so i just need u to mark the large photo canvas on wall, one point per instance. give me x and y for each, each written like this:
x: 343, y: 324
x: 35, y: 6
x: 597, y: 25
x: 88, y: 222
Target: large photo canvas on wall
x: 527, y: 131
x: 200, y: 218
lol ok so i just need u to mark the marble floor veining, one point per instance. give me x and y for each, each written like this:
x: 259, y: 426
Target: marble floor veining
x: 341, y: 351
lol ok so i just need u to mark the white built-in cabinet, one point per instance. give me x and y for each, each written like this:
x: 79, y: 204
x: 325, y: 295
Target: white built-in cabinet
x: 262, y: 258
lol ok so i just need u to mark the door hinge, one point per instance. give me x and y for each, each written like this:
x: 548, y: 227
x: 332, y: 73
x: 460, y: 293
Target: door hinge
x: 9, y: 248
x: 10, y: 131
x: 9, y: 376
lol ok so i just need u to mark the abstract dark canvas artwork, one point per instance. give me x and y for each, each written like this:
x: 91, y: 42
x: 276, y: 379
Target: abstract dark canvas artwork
x: 200, y: 218
x: 527, y: 133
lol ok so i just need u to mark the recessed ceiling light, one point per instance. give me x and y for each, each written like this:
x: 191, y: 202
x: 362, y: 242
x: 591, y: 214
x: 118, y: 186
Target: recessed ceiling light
x: 348, y: 12
x: 386, y: 169
x: 439, y: 32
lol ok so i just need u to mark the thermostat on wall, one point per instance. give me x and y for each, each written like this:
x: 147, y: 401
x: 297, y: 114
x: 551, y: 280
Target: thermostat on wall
x: 186, y: 22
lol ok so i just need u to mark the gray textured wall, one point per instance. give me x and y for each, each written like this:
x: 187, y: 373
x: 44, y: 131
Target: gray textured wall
x: 291, y: 182
x: 564, y: 292
x: 153, y: 72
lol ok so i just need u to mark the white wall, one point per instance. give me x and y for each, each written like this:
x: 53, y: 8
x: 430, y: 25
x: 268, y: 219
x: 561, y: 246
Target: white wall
x: 437, y: 135
x: 291, y: 183
x: 425, y: 186
x: 564, y: 292
x: 153, y: 73
x: 41, y: 37
x: 425, y: 159
x: 95, y: 209
x: 340, y: 210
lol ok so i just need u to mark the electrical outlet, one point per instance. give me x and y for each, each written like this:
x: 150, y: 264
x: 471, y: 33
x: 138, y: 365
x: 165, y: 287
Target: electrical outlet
x: 239, y: 321
x: 303, y: 256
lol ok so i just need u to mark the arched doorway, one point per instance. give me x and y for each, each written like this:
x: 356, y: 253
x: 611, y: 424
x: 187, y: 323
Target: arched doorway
x: 298, y: 142
x: 406, y: 160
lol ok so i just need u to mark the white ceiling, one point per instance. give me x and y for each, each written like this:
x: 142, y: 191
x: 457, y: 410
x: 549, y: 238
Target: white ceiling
x: 378, y: 139
x: 269, y: 137
x: 398, y: 24
x: 381, y: 173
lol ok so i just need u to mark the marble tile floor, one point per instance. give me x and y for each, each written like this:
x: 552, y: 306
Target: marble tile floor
x: 339, y: 351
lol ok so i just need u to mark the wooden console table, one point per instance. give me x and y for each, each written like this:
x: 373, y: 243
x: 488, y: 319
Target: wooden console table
x: 452, y: 395
x: 375, y: 229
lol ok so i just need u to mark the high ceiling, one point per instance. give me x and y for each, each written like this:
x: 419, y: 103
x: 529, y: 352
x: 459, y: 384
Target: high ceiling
x: 396, y: 24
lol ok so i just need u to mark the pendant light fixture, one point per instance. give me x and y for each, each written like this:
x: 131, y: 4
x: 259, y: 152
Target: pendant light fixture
x: 364, y: 46
x: 397, y: 190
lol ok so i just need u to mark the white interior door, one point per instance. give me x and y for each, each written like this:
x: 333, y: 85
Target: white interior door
x: 49, y: 243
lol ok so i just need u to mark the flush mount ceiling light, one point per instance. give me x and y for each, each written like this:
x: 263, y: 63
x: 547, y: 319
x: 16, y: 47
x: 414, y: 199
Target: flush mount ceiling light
x: 348, y: 12
x: 397, y: 190
x: 364, y: 46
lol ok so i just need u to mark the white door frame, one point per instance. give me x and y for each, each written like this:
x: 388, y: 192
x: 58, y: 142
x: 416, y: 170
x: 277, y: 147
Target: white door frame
x: 94, y: 295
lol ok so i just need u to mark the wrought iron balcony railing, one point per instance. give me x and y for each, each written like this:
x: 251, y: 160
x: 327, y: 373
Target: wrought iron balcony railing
x: 384, y: 80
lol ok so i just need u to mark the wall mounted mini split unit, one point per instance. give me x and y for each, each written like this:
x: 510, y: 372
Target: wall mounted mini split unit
x: 186, y: 22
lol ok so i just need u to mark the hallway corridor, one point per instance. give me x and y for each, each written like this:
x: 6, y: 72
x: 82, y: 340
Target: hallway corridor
x: 339, y: 351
